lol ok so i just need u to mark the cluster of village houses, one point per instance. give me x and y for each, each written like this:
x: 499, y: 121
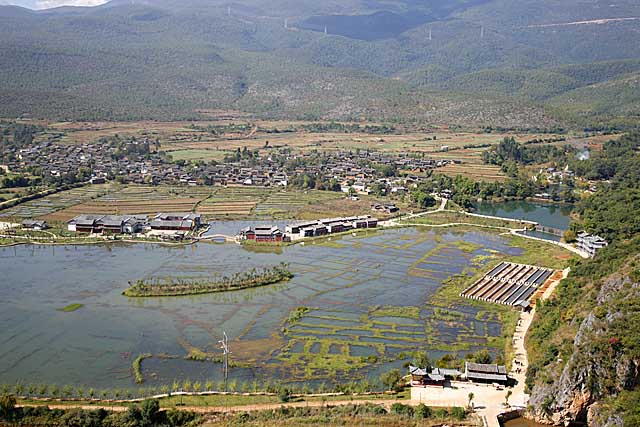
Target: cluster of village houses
x: 482, y: 373
x: 359, y: 170
x: 302, y: 229
x: 133, y: 224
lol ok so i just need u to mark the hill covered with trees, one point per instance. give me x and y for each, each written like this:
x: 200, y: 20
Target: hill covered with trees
x: 480, y: 62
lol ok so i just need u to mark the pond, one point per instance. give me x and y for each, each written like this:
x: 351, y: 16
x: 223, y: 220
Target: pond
x: 546, y: 214
x: 343, y: 285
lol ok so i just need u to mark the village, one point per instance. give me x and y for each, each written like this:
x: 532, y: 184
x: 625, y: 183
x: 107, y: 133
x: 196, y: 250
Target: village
x: 142, y: 162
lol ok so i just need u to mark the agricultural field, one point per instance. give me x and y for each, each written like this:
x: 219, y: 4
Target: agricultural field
x: 136, y: 200
x: 230, y: 202
x: 213, y: 202
x: 276, y: 203
x: 229, y: 133
x: 50, y: 205
x: 477, y: 172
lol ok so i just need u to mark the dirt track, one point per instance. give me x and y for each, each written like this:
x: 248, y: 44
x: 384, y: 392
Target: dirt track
x: 244, y: 408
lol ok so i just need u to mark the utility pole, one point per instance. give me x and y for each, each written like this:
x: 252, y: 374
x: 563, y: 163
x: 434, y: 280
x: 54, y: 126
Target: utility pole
x: 224, y: 345
x: 325, y: 30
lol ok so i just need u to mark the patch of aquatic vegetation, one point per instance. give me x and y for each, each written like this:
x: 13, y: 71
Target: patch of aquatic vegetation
x: 407, y: 311
x: 465, y: 246
x: 446, y: 315
x: 197, y: 354
x: 71, y: 307
x: 180, y: 287
x: 297, y: 314
x: 137, y: 367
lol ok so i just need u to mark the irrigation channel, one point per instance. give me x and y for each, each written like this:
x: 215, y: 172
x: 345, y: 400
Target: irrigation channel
x: 367, y: 297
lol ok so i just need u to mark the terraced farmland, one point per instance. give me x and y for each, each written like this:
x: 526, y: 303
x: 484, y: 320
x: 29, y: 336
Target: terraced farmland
x: 232, y: 201
x: 137, y: 200
x: 477, y: 172
x: 289, y: 203
x: 49, y: 205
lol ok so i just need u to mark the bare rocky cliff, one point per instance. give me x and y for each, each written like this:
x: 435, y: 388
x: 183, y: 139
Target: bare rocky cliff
x: 599, y: 366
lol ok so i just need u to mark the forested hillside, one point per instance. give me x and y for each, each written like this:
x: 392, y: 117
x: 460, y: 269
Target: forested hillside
x: 584, y: 344
x: 463, y: 62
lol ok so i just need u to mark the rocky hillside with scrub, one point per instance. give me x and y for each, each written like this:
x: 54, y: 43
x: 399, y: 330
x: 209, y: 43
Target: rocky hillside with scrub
x: 584, y: 345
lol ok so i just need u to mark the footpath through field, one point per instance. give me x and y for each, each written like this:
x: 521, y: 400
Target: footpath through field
x: 242, y: 408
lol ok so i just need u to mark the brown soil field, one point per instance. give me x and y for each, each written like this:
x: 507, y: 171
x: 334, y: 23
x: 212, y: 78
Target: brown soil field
x: 483, y: 173
x: 223, y: 208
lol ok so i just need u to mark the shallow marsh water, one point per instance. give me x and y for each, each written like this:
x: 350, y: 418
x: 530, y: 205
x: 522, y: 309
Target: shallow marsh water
x: 342, y: 281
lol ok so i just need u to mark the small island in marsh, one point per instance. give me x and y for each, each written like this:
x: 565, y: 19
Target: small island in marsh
x: 180, y: 287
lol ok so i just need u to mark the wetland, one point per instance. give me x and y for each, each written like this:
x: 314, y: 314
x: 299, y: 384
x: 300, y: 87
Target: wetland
x: 355, y: 307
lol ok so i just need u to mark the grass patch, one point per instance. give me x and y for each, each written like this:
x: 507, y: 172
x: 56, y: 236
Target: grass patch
x: 455, y: 217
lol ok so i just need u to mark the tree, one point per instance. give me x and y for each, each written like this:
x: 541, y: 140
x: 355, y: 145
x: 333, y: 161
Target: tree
x: 7, y: 406
x: 55, y: 391
x: 284, y: 394
x: 43, y: 389
x: 470, y: 396
x: 165, y: 390
x: 482, y: 356
x: 422, y: 360
x: 149, y: 410
x: 423, y: 199
x: 19, y: 389
x: 391, y: 379
x: 570, y: 236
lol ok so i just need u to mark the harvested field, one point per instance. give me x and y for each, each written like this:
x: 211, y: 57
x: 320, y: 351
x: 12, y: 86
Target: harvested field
x: 476, y: 172
x: 289, y: 203
x: 226, y: 208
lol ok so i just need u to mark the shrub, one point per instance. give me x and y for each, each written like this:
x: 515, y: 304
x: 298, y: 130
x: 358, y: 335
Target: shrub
x: 458, y: 413
x: 422, y: 411
x: 284, y: 394
x: 400, y: 409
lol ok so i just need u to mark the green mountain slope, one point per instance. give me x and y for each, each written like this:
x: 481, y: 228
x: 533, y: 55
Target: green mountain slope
x: 169, y: 59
